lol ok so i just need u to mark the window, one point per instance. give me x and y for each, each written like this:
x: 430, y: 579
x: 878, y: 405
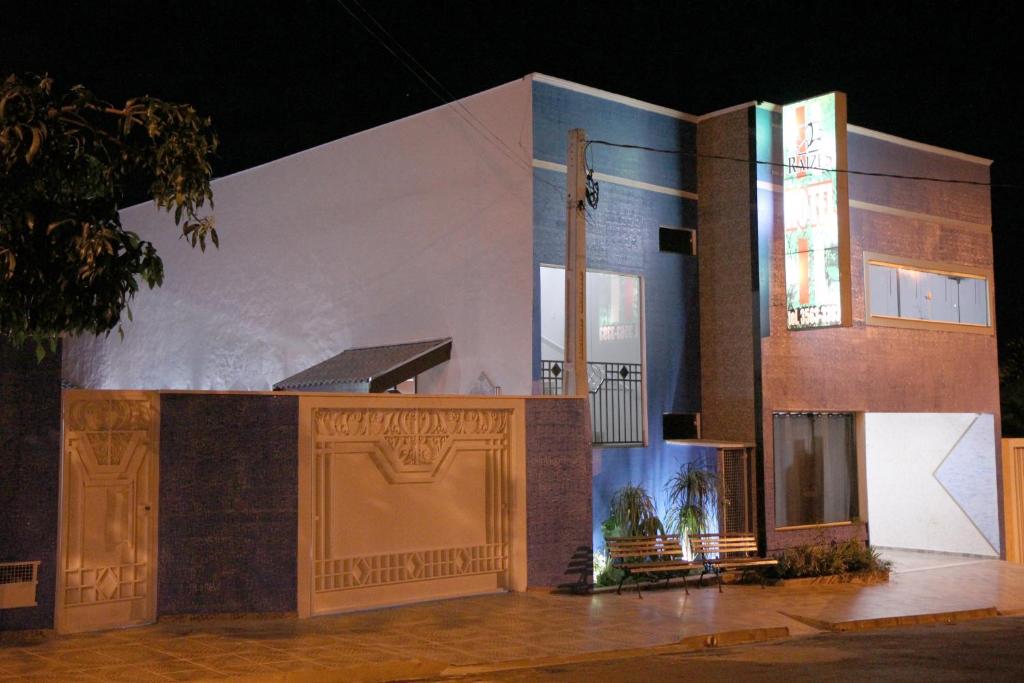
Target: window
x: 902, y: 292
x: 614, y: 351
x: 680, y: 426
x: 678, y: 240
x: 815, y: 469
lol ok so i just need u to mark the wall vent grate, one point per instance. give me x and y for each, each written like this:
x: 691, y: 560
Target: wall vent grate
x: 18, y: 582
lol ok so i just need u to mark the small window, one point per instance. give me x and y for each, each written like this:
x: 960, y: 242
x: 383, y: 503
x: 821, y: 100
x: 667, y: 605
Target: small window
x: 678, y: 240
x: 903, y: 292
x: 815, y: 469
x: 680, y: 426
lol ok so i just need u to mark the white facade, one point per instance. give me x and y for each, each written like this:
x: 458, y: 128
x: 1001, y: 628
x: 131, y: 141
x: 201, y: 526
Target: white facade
x: 300, y: 277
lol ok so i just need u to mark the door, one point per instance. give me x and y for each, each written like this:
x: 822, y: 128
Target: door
x: 108, y: 519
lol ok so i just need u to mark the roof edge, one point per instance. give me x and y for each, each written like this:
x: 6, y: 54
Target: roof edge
x: 897, y: 140
x: 921, y: 146
x: 612, y: 97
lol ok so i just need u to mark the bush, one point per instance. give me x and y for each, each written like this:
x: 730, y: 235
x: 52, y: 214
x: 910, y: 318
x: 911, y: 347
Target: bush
x: 827, y: 560
x: 604, y: 573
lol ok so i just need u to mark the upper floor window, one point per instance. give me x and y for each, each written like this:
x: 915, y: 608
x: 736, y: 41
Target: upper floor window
x: 614, y: 351
x: 898, y: 293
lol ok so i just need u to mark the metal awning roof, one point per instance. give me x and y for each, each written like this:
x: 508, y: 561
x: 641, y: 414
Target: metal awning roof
x: 371, y: 369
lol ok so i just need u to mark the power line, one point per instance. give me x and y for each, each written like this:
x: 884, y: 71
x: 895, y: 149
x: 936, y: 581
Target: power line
x: 451, y: 99
x: 779, y: 164
x: 440, y: 91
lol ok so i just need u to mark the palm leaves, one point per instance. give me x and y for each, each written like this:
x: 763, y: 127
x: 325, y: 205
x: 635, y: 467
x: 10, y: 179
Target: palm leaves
x: 693, y: 497
x: 633, y: 513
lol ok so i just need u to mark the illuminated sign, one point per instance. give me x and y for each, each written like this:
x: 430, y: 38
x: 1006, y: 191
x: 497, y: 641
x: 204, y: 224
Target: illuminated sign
x: 816, y: 208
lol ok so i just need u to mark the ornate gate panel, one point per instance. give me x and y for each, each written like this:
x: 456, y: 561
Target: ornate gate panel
x: 107, y: 557
x: 408, y: 498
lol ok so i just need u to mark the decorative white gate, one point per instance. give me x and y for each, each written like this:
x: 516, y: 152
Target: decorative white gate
x: 408, y: 498
x: 108, y: 517
x: 1013, y: 499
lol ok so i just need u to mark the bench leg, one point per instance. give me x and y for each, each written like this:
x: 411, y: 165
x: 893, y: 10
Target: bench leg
x: 686, y: 581
x: 700, y: 581
x: 719, y: 575
x: 624, y: 575
x: 638, y: 593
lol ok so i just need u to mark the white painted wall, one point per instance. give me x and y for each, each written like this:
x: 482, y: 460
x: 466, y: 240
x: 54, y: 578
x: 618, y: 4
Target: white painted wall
x: 908, y: 506
x: 421, y: 228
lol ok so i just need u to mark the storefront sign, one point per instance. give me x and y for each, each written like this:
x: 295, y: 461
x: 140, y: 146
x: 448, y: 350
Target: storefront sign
x: 816, y: 207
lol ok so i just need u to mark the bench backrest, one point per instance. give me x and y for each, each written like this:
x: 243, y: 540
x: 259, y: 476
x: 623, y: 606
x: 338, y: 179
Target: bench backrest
x: 663, y: 545
x: 723, y: 545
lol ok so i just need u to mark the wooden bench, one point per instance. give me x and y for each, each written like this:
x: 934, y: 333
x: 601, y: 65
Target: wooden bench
x: 648, y: 555
x: 723, y: 552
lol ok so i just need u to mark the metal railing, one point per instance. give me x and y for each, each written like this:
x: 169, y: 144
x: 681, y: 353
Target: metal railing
x: 616, y: 399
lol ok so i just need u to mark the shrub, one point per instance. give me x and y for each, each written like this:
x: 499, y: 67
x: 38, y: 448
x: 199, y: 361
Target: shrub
x: 829, y: 559
x: 604, y: 573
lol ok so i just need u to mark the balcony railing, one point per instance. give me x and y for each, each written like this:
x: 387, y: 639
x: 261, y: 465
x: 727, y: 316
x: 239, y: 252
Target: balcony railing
x: 616, y: 399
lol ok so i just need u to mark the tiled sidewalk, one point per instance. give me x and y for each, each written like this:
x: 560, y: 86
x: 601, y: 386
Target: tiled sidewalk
x: 495, y: 628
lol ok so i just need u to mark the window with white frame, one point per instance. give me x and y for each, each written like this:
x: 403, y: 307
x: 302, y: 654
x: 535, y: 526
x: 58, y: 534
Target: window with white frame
x: 614, y: 351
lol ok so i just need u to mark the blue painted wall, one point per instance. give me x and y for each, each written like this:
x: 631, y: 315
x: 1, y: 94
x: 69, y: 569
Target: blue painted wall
x: 622, y: 236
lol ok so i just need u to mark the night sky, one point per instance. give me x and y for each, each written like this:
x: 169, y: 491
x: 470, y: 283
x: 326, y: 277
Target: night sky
x: 279, y: 77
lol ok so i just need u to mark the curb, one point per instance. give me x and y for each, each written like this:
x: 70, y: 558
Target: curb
x: 383, y: 672
x: 688, y: 644
x: 953, y: 617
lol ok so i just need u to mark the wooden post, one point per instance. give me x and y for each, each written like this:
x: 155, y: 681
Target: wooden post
x: 575, y: 379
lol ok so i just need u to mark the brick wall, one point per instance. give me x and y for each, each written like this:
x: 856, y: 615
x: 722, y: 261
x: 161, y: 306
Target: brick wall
x: 868, y: 368
x: 228, y: 503
x: 862, y: 368
x: 29, y: 474
x: 558, y: 489
x: 726, y: 298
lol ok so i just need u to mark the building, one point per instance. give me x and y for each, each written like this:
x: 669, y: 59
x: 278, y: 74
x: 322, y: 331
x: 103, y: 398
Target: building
x: 451, y: 224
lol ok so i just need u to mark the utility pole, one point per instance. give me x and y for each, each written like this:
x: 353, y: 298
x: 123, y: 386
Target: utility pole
x: 574, y: 382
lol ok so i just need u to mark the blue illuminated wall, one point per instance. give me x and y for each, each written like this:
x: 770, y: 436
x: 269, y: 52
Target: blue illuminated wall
x: 622, y: 237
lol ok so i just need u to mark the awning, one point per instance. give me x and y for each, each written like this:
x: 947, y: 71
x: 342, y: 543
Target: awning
x: 370, y: 369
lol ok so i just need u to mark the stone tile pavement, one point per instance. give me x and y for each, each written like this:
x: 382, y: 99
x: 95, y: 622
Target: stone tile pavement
x: 494, y: 628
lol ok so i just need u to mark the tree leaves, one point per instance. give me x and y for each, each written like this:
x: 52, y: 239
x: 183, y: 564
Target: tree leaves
x: 68, y: 163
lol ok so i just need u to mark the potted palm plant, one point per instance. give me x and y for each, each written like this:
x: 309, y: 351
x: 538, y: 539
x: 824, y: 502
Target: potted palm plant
x: 693, y: 497
x: 633, y: 513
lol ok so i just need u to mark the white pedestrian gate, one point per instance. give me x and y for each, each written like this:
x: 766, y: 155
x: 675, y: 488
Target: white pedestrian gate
x: 107, y: 558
